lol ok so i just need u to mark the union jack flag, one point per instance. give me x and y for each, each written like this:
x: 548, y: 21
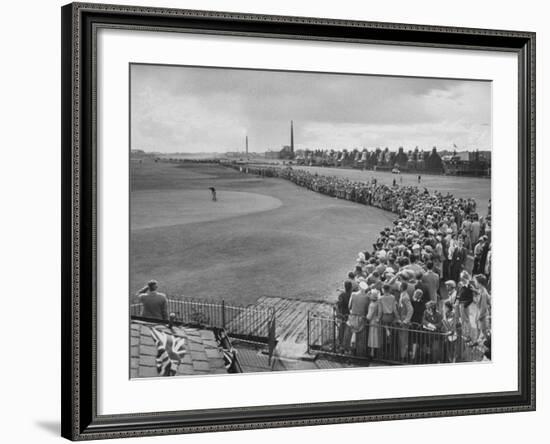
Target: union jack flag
x: 170, y: 352
x: 227, y: 349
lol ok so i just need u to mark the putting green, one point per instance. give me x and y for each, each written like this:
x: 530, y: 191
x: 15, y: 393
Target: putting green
x: 164, y: 208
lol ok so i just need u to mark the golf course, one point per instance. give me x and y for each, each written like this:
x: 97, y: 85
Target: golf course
x: 263, y: 237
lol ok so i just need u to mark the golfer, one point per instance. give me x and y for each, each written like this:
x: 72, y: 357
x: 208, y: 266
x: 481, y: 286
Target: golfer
x: 213, y: 192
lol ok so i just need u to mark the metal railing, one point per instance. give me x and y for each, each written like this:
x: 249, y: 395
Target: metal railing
x: 390, y: 343
x: 242, y: 322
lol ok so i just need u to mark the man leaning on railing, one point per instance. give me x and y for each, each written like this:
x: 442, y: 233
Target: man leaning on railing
x: 154, y: 304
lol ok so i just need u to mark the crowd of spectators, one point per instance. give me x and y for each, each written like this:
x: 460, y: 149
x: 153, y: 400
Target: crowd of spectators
x: 428, y: 273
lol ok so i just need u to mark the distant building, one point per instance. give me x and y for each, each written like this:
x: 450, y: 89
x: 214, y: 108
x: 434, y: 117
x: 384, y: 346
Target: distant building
x: 272, y: 154
x: 401, y: 159
x: 287, y: 152
x: 433, y: 162
x: 468, y: 163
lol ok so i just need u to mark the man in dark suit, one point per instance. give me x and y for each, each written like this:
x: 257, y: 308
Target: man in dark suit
x: 458, y: 259
x: 342, y: 312
x: 420, y: 285
x: 430, y: 279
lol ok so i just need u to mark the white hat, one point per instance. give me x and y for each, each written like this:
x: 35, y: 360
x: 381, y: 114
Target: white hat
x: 363, y: 285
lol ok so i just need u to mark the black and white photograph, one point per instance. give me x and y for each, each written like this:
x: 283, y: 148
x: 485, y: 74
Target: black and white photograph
x: 304, y: 221
x: 275, y: 221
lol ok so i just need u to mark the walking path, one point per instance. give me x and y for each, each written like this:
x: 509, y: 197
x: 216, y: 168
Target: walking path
x: 291, y: 323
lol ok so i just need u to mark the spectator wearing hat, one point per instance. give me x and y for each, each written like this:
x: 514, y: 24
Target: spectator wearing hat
x: 450, y: 289
x: 432, y: 324
x: 450, y: 325
x: 483, y: 300
x: 405, y: 312
x: 154, y: 303
x: 408, y: 277
x: 373, y: 317
x: 419, y: 306
x: 487, y: 268
x: 389, y: 316
x: 458, y: 259
x: 416, y: 265
x: 480, y: 255
x: 419, y: 285
x: 358, y: 306
x: 454, y: 224
x: 359, y: 271
x: 392, y: 264
x: 416, y: 250
x: 430, y: 279
x: 484, y: 256
x: 381, y: 266
x: 467, y: 230
x: 373, y: 278
x: 446, y: 244
x: 475, y: 230
x: 465, y: 296
x: 354, y: 282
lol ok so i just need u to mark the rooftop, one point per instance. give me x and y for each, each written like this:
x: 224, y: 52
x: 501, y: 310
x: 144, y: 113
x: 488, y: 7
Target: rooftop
x: 201, y: 352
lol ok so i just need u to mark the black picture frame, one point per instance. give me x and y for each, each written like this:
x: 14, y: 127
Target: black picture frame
x: 80, y: 22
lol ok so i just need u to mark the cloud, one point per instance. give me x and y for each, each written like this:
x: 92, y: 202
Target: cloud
x: 211, y: 109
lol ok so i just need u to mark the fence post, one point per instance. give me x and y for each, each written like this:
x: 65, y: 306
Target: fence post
x: 271, y: 339
x: 308, y: 325
x: 223, y: 314
x: 333, y: 330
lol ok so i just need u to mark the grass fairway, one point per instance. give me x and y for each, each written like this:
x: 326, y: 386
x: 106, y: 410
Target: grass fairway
x: 264, y: 236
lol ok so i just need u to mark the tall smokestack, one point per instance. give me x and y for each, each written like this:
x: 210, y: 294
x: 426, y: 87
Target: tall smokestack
x: 247, y: 145
x: 291, y: 136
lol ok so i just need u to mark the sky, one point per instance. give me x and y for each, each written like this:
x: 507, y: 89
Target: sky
x: 201, y: 110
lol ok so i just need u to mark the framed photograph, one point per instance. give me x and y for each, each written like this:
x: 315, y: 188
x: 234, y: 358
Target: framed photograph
x: 277, y: 221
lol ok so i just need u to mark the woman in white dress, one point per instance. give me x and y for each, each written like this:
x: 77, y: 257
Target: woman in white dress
x: 405, y: 310
x: 373, y: 317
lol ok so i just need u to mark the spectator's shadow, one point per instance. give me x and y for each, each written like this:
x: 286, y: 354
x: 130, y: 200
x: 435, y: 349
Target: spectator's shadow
x: 54, y: 427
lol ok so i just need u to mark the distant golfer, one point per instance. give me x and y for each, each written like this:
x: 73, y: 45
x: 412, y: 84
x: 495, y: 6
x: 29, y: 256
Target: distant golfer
x: 213, y: 192
x: 419, y: 178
